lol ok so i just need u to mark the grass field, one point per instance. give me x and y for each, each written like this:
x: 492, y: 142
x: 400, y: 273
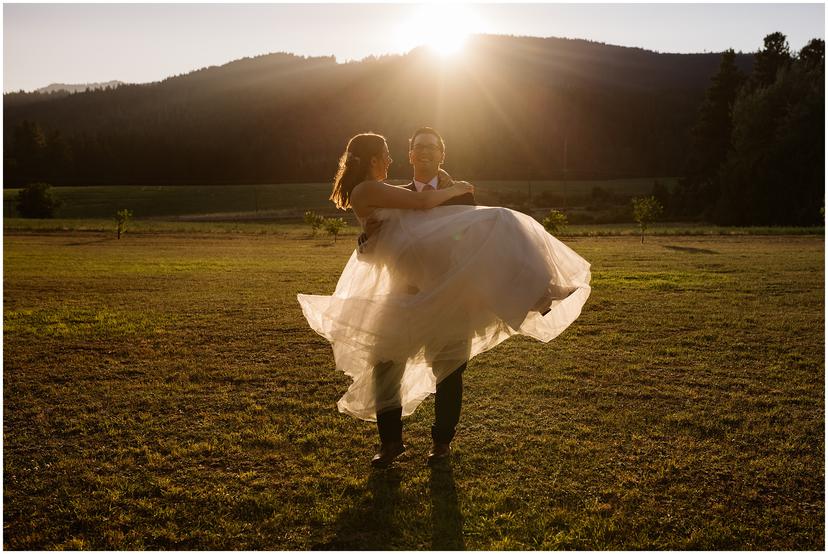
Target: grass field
x: 164, y: 391
x: 273, y: 201
x: 240, y: 225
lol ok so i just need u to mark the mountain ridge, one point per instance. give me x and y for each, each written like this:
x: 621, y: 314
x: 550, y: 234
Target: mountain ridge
x: 620, y: 111
x: 81, y: 87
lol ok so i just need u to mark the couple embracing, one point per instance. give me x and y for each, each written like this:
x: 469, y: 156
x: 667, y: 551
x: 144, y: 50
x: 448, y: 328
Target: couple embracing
x: 435, y: 281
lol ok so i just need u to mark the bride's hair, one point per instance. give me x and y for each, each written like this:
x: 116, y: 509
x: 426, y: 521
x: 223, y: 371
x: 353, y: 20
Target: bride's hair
x: 354, y: 165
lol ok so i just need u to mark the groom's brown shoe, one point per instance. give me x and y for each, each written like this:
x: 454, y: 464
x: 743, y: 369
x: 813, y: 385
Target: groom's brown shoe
x: 439, y: 451
x: 387, y: 454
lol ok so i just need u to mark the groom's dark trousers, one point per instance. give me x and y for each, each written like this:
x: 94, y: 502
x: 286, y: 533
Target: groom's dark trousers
x: 447, y: 404
x: 449, y: 397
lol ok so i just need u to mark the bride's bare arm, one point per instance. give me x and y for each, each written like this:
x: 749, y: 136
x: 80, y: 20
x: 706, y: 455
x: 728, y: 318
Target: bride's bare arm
x: 370, y: 195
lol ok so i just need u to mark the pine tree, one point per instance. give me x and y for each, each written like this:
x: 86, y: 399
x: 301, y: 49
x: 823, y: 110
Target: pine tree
x: 767, y: 63
x: 710, y: 138
x: 774, y: 174
x: 812, y: 55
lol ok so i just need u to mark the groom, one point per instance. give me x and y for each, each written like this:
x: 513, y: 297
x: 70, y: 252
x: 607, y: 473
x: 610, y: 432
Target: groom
x: 426, y: 153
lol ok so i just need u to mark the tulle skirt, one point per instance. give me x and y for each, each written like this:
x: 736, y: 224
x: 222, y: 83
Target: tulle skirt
x: 434, y: 288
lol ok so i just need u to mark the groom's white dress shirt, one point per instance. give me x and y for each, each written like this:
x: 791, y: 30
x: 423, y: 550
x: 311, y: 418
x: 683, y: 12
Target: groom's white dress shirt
x: 431, y: 184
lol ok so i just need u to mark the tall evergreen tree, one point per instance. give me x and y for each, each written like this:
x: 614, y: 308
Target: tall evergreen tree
x: 812, y: 55
x: 767, y: 62
x: 774, y: 174
x: 26, y: 154
x: 710, y: 139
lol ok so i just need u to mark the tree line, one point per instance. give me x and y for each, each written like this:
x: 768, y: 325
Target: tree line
x: 757, y: 149
x: 512, y: 108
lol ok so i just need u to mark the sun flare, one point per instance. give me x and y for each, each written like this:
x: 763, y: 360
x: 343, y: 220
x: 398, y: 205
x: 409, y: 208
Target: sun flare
x: 444, y: 28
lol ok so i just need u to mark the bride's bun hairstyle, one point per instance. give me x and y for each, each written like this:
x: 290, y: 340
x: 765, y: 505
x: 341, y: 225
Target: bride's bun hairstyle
x: 354, y: 166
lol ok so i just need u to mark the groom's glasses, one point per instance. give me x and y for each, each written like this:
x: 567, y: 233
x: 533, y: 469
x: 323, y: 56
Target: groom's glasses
x: 425, y: 148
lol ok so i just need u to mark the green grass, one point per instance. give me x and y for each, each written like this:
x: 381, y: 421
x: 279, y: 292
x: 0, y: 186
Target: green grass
x: 276, y: 201
x: 241, y: 226
x: 164, y: 392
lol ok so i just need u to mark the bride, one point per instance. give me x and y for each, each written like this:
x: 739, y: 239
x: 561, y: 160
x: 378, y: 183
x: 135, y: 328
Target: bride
x: 434, y: 286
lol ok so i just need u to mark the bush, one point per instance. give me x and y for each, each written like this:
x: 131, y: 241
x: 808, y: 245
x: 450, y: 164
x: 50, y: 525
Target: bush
x: 602, y: 198
x: 37, y: 201
x: 122, y: 217
x: 549, y: 198
x: 646, y: 210
x: 615, y: 214
x: 334, y: 225
x: 554, y: 222
x: 315, y: 221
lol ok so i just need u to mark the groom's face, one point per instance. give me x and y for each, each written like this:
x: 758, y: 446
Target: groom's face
x: 425, y: 154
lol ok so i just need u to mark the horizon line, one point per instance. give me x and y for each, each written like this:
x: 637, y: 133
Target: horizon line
x: 370, y: 57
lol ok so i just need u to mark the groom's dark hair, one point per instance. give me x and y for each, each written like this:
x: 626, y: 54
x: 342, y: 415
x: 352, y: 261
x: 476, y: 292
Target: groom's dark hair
x: 426, y: 131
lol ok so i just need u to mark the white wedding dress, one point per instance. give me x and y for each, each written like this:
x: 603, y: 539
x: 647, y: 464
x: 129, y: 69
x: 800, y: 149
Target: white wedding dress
x: 434, y: 288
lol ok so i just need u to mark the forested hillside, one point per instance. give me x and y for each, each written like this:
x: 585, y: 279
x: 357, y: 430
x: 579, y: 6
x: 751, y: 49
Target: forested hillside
x: 509, y: 107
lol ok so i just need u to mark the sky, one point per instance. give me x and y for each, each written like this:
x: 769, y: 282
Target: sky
x: 136, y: 43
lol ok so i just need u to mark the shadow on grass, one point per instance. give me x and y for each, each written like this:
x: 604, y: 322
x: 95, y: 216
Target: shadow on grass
x: 370, y: 525
x: 374, y: 523
x: 85, y: 242
x: 446, y: 519
x: 689, y: 249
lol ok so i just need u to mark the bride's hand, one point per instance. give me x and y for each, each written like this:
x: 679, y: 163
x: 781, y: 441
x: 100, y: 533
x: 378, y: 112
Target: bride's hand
x: 443, y: 179
x: 463, y: 187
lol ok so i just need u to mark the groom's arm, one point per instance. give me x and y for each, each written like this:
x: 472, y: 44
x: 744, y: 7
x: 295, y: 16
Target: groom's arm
x: 371, y: 227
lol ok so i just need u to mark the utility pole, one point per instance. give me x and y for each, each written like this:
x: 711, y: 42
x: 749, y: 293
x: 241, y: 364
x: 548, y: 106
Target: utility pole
x: 566, y: 153
x: 566, y: 120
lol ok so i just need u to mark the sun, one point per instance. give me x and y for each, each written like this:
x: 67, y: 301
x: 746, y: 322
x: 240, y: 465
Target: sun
x: 444, y: 28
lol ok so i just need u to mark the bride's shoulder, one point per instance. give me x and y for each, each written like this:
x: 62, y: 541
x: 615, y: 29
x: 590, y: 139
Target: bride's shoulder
x: 362, y: 192
x: 367, y: 185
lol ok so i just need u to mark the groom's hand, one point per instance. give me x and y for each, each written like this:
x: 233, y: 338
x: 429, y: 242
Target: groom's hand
x: 361, y: 240
x: 372, y: 226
